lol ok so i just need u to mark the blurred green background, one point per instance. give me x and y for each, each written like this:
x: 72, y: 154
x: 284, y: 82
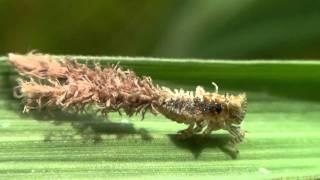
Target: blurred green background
x: 222, y: 29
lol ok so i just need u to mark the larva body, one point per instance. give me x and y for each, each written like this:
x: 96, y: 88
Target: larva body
x: 205, y: 112
x: 68, y: 84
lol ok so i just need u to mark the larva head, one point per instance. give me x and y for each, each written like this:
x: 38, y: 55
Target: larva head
x: 229, y: 107
x: 237, y: 107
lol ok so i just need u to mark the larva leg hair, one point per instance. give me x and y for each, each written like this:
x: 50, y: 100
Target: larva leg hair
x: 237, y: 133
x: 71, y: 85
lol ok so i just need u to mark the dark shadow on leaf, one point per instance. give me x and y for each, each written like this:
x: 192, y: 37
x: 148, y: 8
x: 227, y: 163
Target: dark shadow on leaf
x: 90, y: 127
x: 197, y: 143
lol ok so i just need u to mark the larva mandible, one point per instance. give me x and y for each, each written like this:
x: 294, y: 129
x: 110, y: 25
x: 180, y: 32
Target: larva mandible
x: 57, y: 82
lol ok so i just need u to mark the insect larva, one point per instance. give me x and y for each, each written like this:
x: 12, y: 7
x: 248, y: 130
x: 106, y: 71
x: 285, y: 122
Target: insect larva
x: 63, y: 83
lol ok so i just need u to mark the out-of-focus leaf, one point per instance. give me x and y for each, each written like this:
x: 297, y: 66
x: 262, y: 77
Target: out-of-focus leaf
x: 245, y: 29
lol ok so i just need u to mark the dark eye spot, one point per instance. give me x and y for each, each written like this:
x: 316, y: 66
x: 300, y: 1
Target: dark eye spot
x: 215, y: 108
x: 218, y: 108
x: 210, y: 107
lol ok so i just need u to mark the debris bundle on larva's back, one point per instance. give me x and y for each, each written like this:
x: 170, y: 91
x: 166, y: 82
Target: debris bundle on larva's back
x: 56, y: 82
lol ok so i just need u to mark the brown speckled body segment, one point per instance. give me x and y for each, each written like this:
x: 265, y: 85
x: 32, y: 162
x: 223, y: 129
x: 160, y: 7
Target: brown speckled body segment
x: 206, y: 112
x: 63, y: 83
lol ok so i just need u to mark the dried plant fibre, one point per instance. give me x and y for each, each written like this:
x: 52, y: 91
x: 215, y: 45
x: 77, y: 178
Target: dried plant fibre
x: 62, y: 82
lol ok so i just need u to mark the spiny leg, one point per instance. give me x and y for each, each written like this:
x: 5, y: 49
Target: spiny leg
x: 212, y: 126
x: 208, y: 130
x: 236, y: 132
x: 199, y: 126
x: 182, y: 134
